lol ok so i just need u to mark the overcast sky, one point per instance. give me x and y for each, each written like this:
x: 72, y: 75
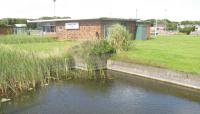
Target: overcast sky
x: 176, y: 10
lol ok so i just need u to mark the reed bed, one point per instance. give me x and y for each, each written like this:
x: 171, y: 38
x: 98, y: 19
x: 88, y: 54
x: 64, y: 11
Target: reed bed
x: 21, y: 70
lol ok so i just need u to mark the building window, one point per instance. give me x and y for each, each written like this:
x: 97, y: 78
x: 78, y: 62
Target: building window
x: 125, y: 24
x: 49, y: 28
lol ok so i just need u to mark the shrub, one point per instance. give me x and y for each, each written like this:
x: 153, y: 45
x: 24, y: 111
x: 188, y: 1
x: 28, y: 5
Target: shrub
x: 119, y: 37
x: 97, y: 47
x: 93, y: 53
x: 187, y: 30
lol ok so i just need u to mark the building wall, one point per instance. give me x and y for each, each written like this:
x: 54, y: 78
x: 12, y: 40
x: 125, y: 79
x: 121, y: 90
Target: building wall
x: 5, y: 30
x: 87, y: 30
x: 131, y: 26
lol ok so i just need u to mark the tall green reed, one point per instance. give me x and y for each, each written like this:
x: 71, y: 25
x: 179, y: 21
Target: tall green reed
x: 20, y: 70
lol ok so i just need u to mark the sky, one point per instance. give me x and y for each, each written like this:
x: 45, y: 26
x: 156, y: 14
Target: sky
x: 175, y: 10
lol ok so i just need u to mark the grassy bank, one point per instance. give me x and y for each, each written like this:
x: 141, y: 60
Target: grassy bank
x: 27, y: 62
x: 20, y: 39
x: 180, y: 53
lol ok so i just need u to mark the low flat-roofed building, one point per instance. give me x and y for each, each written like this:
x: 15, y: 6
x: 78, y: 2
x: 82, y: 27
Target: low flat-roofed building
x: 82, y: 29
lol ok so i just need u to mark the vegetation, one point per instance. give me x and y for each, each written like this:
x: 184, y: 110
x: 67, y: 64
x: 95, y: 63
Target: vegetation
x: 93, y: 53
x: 180, y: 53
x: 12, y: 21
x: 30, y: 61
x: 119, y: 37
x: 171, y: 25
x: 23, y: 70
x: 187, y: 30
x: 190, y: 22
x: 22, y: 39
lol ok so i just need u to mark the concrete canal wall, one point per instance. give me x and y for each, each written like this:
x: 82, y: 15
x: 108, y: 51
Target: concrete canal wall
x: 165, y: 75
x: 160, y: 74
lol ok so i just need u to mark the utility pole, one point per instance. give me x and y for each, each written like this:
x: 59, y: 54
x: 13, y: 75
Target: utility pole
x: 54, y: 1
x: 156, y: 26
x: 165, y: 21
x: 136, y: 15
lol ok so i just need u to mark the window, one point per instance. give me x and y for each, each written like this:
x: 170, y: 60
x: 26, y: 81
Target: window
x: 49, y: 28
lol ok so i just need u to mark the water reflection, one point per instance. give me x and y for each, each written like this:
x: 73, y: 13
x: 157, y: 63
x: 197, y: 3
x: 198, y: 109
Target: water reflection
x: 158, y: 87
x: 120, y: 95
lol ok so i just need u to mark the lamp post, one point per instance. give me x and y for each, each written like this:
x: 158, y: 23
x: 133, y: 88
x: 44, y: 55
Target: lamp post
x: 54, y: 1
x: 136, y: 13
x: 165, y: 21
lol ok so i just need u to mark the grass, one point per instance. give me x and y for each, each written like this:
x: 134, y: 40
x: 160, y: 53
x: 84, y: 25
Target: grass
x: 20, y: 39
x: 178, y: 52
x: 30, y: 61
x: 35, y: 43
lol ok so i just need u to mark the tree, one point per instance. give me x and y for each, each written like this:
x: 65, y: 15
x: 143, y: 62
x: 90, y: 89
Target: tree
x: 187, y: 30
x: 172, y: 26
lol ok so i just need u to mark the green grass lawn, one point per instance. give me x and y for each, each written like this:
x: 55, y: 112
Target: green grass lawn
x: 180, y: 53
x: 36, y: 43
x: 45, y: 46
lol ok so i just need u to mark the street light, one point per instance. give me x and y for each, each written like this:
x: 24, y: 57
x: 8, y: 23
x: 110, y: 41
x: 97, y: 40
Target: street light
x: 165, y: 21
x: 136, y: 15
x: 54, y: 1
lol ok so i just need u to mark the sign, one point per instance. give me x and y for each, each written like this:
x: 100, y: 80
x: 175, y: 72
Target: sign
x: 74, y: 25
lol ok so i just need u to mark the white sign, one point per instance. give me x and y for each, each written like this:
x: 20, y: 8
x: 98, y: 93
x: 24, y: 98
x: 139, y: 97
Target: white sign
x: 74, y: 25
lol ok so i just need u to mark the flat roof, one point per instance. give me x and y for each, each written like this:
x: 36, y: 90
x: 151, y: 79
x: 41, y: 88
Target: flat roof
x: 20, y: 25
x: 57, y: 20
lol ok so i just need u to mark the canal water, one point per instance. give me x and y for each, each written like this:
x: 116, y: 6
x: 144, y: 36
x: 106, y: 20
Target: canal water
x: 130, y: 95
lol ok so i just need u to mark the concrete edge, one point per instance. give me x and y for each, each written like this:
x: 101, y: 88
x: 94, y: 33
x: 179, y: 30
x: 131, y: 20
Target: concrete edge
x: 160, y: 74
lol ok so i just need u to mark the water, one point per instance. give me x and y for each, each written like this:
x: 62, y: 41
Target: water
x: 118, y: 96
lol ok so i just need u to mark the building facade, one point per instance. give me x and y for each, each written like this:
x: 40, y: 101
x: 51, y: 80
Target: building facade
x: 81, y: 29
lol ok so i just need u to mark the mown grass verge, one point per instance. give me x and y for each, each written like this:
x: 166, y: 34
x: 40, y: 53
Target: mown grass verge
x: 20, y: 39
x: 178, y: 52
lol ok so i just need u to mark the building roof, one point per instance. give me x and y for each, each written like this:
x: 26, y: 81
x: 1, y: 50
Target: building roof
x: 57, y: 20
x: 20, y: 25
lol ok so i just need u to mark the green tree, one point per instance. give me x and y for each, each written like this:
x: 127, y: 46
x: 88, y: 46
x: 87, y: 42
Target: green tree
x: 172, y: 26
x: 187, y: 30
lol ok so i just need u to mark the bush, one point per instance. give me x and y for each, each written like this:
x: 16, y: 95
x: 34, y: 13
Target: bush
x: 97, y: 47
x: 119, y: 37
x: 93, y: 53
x: 187, y: 30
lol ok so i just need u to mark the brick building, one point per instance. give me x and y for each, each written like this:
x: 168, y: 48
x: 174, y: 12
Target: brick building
x: 81, y: 29
x: 5, y: 30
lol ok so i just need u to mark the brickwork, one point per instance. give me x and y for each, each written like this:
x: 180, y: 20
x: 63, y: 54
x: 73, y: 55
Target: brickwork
x: 132, y: 29
x: 87, y: 30
x: 5, y: 30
